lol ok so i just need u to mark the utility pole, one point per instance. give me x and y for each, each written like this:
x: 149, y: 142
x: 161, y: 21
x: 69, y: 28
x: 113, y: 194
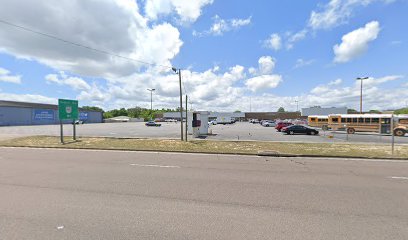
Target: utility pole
x: 151, y: 99
x: 361, y: 92
x: 186, y: 118
x: 181, y: 102
x: 297, y: 105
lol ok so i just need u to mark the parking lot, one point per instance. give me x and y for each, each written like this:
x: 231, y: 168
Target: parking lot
x: 239, y: 131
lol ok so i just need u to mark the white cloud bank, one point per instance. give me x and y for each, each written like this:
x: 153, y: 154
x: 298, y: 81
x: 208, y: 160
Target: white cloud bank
x: 111, y: 25
x: 355, y: 43
x: 5, y: 76
x: 274, y: 42
x: 188, y: 11
x: 221, y: 26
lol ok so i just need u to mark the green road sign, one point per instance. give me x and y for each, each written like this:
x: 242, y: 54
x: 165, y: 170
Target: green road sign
x: 67, y: 109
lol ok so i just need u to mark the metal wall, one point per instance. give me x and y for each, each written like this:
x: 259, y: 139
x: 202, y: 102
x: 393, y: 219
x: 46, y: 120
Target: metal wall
x: 323, y: 111
x: 14, y: 116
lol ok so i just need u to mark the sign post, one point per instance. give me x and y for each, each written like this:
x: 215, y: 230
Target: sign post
x: 67, y: 110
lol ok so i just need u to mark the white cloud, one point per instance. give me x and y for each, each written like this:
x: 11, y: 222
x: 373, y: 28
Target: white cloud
x: 115, y: 26
x: 27, y: 98
x: 5, y: 76
x: 273, y: 42
x: 328, y: 16
x: 337, y: 12
x: 293, y: 38
x: 355, y: 43
x: 220, y: 26
x: 75, y: 83
x: 263, y: 82
x: 302, y: 63
x: 188, y: 11
x: 266, y: 64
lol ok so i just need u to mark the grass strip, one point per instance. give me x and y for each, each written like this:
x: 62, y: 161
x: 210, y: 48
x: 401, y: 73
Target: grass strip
x: 209, y: 146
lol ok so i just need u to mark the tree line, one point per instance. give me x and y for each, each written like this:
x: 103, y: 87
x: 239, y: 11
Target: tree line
x: 136, y: 112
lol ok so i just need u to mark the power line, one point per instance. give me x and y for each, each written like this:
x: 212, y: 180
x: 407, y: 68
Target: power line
x: 79, y: 45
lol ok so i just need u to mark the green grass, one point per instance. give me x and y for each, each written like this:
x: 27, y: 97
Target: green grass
x: 208, y: 146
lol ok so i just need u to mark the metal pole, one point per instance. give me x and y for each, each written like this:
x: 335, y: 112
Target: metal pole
x: 361, y: 97
x: 181, y: 106
x: 186, y: 118
x: 151, y: 101
x: 74, y: 131
x: 392, y: 135
x: 61, y: 132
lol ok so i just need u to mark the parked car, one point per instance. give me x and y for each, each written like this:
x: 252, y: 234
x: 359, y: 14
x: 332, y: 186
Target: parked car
x: 171, y: 120
x: 268, y: 124
x: 299, y: 129
x: 152, y: 124
x: 212, y: 122
x: 254, y: 121
x: 281, y: 125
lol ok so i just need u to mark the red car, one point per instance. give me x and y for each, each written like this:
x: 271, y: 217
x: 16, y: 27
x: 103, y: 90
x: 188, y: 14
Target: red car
x: 281, y: 125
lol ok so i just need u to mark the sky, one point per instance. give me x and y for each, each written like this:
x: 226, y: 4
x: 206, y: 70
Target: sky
x: 233, y: 55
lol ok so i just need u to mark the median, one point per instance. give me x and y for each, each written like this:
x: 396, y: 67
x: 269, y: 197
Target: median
x: 216, y: 147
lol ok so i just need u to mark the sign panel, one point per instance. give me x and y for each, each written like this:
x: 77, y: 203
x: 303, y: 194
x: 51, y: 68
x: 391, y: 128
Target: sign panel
x: 44, y: 114
x: 83, y: 116
x: 67, y: 109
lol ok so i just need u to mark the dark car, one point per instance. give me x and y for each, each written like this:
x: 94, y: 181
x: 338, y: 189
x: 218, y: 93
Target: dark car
x: 281, y: 125
x: 152, y: 124
x: 299, y: 129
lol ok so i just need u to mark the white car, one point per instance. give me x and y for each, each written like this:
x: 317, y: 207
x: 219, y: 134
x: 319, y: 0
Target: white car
x: 213, y: 122
x: 268, y: 124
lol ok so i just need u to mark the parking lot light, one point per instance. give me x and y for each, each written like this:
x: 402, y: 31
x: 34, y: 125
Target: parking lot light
x: 151, y: 99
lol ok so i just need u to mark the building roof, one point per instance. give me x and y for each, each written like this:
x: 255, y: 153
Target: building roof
x: 4, y: 103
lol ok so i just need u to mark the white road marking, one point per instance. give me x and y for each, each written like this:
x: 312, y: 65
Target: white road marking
x: 159, y: 166
x: 60, y: 227
x: 404, y: 178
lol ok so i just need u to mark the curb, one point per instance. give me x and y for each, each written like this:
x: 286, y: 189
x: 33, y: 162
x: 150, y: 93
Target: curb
x: 276, y: 154
x: 260, y: 154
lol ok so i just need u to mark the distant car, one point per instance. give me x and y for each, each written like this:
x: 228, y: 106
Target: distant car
x: 79, y: 122
x: 170, y: 120
x: 213, y: 122
x: 299, y: 129
x: 254, y: 121
x: 152, y: 124
x: 269, y: 124
x: 281, y: 125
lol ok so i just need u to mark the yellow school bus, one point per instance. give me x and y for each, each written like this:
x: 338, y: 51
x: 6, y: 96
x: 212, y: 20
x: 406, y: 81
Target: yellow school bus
x: 380, y: 123
x: 317, y: 120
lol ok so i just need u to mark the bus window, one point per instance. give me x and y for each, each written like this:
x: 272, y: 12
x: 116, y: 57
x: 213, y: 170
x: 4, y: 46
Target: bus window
x: 375, y: 120
x: 367, y: 120
x: 354, y: 120
x: 403, y: 121
x: 361, y: 120
x: 343, y: 120
x: 313, y: 119
x: 335, y: 120
x: 385, y: 120
x: 349, y: 120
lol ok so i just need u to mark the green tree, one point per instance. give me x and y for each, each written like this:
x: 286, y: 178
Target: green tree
x: 374, y: 111
x: 92, y: 108
x: 107, y: 115
x: 237, y: 111
x: 351, y: 111
x: 401, y: 111
x: 135, y: 112
x: 281, y: 110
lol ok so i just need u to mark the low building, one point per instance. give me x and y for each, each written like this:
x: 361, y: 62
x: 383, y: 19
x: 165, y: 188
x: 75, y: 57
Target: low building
x: 272, y: 115
x: 323, y: 111
x: 14, y: 113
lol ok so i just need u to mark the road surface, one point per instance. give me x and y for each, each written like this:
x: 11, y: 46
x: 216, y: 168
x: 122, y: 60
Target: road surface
x: 87, y: 194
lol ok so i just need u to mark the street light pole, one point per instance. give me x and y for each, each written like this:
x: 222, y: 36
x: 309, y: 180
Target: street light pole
x: 151, y: 98
x: 361, y: 92
x: 181, y: 103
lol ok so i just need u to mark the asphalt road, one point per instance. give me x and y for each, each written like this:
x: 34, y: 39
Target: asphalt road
x: 237, y: 131
x: 85, y: 194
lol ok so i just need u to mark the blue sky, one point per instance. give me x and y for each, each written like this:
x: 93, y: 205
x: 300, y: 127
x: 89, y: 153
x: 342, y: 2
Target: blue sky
x: 271, y: 53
